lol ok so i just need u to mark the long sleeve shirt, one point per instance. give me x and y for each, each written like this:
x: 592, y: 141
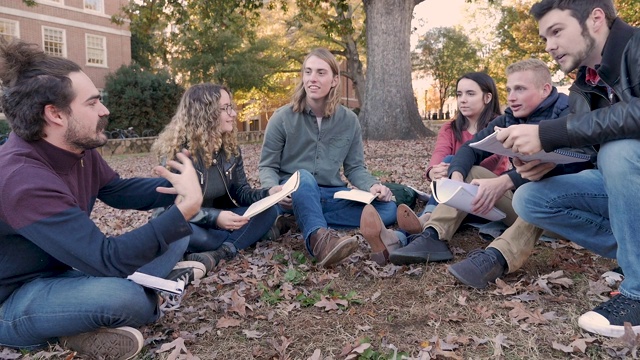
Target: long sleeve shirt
x: 294, y: 141
x: 46, y: 198
x: 447, y: 144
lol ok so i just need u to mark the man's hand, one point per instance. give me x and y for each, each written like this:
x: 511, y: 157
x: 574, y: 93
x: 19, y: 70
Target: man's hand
x: 231, y: 221
x: 489, y: 192
x: 522, y: 139
x: 438, y: 171
x: 383, y: 193
x: 457, y: 176
x: 532, y: 170
x: 185, y: 184
x: 275, y: 189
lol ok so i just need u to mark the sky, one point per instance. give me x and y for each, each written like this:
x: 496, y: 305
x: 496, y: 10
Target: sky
x: 435, y: 13
x: 429, y: 14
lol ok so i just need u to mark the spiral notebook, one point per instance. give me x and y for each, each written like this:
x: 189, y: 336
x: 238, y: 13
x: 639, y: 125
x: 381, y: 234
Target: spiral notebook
x: 560, y: 156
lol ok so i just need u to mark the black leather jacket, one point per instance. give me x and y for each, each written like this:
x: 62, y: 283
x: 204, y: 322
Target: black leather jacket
x: 224, y: 185
x: 616, y: 115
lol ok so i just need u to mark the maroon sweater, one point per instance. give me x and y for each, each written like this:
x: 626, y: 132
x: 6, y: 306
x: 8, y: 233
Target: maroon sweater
x: 46, y: 198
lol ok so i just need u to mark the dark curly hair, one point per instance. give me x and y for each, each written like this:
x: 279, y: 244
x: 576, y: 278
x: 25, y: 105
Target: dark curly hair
x: 580, y: 9
x: 31, y: 80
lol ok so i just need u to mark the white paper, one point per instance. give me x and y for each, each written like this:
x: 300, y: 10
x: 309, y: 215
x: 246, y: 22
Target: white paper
x: 491, y: 144
x: 157, y: 283
x: 288, y: 187
x: 459, y: 195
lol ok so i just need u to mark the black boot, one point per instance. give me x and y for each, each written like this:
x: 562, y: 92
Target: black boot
x: 210, y: 259
x: 282, y: 225
x: 423, y: 247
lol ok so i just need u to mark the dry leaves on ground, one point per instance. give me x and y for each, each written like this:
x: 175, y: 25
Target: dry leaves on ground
x: 272, y: 302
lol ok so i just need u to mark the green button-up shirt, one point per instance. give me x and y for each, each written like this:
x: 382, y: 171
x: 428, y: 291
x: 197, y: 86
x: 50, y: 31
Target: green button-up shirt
x: 293, y: 141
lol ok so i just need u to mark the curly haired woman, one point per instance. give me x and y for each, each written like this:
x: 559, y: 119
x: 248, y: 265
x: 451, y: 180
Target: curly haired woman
x: 205, y: 125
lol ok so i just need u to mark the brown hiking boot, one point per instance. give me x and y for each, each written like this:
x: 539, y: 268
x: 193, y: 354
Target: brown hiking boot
x: 329, y: 248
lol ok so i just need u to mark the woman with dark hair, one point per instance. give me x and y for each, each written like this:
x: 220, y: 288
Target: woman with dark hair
x: 205, y: 124
x: 478, y: 104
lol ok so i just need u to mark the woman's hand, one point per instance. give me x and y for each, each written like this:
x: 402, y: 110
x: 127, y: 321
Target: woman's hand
x: 229, y: 220
x: 439, y: 171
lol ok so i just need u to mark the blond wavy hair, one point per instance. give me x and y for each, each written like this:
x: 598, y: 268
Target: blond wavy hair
x: 298, y: 99
x: 196, y: 127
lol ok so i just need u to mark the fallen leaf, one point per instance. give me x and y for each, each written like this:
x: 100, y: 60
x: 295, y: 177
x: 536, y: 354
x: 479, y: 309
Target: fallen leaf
x: 317, y: 354
x: 225, y: 322
x: 252, y: 334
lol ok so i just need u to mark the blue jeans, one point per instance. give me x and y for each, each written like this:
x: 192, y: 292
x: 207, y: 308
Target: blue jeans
x: 314, y: 207
x: 210, y: 239
x: 596, y: 209
x: 71, y: 303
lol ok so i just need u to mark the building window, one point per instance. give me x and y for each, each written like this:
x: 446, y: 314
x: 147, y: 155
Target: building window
x: 53, y: 41
x: 9, y: 29
x: 96, y: 50
x: 254, y: 125
x: 94, y: 5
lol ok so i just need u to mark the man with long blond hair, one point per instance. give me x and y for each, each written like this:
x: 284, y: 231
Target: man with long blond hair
x: 318, y: 136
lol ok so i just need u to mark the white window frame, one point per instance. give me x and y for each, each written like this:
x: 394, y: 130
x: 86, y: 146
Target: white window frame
x: 64, y: 40
x: 104, y: 50
x: 16, y: 25
x: 100, y: 4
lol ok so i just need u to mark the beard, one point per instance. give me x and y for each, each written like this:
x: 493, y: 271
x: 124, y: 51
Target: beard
x: 80, y: 142
x: 582, y: 55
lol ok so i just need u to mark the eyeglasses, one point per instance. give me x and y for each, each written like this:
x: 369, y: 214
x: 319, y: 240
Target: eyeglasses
x: 229, y: 108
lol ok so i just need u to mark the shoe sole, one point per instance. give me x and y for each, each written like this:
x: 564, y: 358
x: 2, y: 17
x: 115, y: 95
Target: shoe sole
x: 370, y: 227
x: 408, y: 220
x: 110, y: 344
x: 340, y: 252
x: 461, y: 279
x: 398, y: 259
x: 595, y: 323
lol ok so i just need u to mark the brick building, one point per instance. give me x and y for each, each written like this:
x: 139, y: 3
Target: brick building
x: 80, y: 30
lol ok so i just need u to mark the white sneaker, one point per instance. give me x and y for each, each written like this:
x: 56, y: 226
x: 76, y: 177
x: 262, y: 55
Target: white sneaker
x: 187, y: 271
x: 106, y: 343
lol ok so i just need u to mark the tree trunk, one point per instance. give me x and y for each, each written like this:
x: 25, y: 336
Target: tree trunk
x: 390, y: 111
x: 355, y: 69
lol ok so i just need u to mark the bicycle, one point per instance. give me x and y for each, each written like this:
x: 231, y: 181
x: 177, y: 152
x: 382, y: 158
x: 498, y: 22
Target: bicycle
x: 148, y: 133
x: 123, y: 134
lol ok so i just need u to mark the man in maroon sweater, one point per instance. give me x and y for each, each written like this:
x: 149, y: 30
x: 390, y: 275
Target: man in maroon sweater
x: 61, y: 278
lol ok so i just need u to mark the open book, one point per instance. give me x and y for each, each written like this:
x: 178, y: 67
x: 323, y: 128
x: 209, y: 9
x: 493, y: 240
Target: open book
x: 459, y: 195
x: 261, y: 205
x: 560, y: 156
x: 355, y: 195
x: 157, y: 283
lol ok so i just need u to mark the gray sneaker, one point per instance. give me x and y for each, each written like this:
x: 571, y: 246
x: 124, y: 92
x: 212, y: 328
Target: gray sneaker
x: 106, y: 343
x: 478, y: 270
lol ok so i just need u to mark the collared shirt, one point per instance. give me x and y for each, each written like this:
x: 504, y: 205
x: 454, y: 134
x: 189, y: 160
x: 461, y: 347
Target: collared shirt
x: 294, y: 141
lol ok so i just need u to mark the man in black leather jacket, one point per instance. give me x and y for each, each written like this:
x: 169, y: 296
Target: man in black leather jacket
x: 594, y: 208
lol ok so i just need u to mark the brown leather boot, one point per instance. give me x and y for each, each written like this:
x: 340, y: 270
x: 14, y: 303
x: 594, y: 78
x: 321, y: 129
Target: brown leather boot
x: 329, y: 248
x: 382, y: 240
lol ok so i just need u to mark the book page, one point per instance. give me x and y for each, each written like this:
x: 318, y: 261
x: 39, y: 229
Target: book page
x: 288, y: 187
x: 491, y: 144
x: 460, y: 195
x: 157, y: 283
x: 355, y: 195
